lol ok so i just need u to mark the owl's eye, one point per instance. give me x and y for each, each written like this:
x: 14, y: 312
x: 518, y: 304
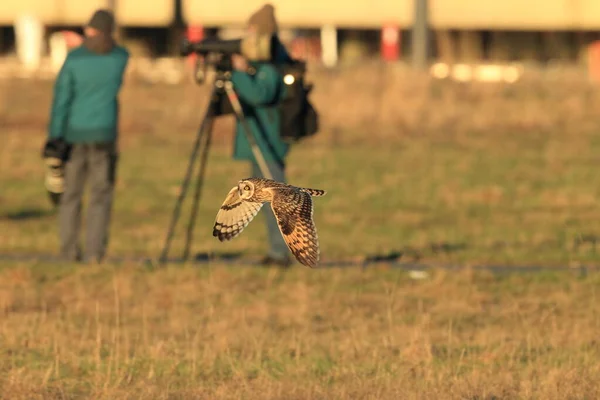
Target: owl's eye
x: 246, y: 187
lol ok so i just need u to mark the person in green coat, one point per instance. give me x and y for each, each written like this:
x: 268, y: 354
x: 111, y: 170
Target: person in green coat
x: 259, y: 86
x: 85, y: 115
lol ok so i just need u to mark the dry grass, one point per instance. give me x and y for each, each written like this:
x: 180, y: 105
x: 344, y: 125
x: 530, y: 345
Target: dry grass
x: 476, y: 191
x: 444, y: 173
x: 361, y: 104
x: 125, y: 332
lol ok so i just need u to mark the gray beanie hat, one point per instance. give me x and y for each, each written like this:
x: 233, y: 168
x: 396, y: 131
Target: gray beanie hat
x: 103, y: 20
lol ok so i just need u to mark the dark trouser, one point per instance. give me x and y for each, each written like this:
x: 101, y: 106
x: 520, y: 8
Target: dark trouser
x: 277, y: 247
x: 95, y: 163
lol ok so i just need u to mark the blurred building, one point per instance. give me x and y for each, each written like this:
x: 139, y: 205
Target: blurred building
x: 461, y: 30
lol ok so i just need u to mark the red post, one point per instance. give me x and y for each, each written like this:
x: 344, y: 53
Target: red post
x: 390, y: 42
x: 194, y: 34
x: 72, y: 39
x: 594, y: 61
x: 298, y: 48
x: 306, y: 48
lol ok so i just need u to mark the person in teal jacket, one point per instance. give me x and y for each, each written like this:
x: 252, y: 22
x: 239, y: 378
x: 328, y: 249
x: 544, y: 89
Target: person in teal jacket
x: 85, y: 115
x: 259, y: 88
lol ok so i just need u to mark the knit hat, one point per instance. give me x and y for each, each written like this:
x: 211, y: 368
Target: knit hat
x: 102, y: 20
x: 264, y: 20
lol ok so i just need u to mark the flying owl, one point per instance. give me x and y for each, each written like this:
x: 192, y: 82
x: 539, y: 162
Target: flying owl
x: 292, y: 206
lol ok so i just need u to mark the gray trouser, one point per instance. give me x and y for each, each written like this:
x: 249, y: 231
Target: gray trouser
x: 95, y: 163
x: 277, y: 247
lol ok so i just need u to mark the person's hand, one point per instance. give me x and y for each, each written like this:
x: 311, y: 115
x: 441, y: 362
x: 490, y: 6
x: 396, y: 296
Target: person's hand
x: 239, y: 62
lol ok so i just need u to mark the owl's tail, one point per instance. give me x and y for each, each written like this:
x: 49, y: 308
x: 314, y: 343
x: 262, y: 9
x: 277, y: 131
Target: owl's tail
x: 314, y: 192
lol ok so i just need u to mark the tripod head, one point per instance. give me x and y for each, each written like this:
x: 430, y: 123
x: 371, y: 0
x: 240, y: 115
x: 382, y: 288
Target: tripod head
x: 219, y: 103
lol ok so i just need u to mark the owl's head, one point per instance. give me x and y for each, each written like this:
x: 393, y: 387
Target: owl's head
x: 246, y: 189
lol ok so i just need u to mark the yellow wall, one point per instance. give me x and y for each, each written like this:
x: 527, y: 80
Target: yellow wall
x: 465, y: 14
x: 78, y: 12
x: 309, y: 13
x: 461, y: 14
x: 516, y: 14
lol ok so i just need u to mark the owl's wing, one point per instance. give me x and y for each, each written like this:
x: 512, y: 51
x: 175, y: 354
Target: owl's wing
x: 294, y: 212
x: 234, y: 215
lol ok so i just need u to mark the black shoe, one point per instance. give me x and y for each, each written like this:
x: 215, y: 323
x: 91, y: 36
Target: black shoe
x: 278, y: 262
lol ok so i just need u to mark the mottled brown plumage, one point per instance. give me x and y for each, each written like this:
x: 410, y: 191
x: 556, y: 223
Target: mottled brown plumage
x: 291, y: 205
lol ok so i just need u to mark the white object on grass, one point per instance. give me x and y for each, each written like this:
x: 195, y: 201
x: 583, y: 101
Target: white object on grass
x: 329, y: 46
x: 29, y: 35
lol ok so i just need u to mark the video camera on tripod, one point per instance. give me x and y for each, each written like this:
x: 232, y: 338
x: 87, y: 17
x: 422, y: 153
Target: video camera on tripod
x: 217, y: 53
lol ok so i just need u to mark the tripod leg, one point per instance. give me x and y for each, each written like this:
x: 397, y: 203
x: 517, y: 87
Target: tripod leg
x: 237, y: 107
x: 199, y: 182
x: 184, y: 186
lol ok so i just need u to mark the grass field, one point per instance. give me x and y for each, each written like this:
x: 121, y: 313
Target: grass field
x: 518, y: 186
x: 124, y: 332
x: 510, y: 200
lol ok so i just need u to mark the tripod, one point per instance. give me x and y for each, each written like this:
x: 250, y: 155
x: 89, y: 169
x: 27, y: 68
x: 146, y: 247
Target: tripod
x: 222, y: 96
